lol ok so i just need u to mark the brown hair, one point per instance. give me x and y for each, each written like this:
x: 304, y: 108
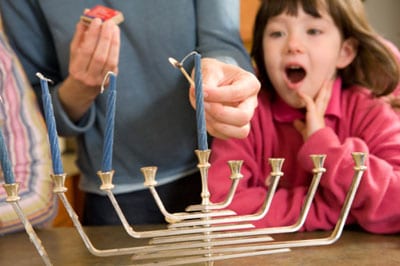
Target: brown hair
x: 374, y: 66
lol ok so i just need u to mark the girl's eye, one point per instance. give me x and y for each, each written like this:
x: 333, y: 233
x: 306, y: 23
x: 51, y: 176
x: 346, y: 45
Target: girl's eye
x: 314, y: 31
x: 276, y: 34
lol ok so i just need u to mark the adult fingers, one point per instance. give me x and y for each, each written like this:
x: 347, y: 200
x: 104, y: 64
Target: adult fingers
x: 113, y: 56
x: 225, y: 131
x: 82, y: 48
x: 237, y: 89
x: 101, y: 62
x: 236, y: 115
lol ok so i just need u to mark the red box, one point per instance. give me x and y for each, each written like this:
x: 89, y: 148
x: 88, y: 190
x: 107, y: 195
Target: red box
x: 102, y: 12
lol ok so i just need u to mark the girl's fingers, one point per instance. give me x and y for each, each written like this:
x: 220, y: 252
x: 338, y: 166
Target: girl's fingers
x: 315, y: 111
x: 309, y: 102
x: 324, y: 96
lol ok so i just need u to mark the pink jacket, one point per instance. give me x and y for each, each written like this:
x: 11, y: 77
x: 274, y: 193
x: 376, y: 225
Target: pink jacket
x: 355, y: 122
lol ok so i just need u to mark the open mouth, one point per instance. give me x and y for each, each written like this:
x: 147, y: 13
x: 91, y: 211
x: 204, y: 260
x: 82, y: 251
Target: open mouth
x: 295, y: 73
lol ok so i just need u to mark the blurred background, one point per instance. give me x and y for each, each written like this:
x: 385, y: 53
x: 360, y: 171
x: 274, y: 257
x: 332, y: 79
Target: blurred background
x: 382, y: 14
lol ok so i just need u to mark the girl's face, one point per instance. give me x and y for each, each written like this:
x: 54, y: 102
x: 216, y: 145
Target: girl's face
x: 301, y: 52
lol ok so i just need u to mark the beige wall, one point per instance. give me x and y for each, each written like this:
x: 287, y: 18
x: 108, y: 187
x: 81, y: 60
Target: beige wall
x: 384, y: 17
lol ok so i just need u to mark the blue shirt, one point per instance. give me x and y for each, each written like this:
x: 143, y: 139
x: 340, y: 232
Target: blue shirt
x: 155, y: 124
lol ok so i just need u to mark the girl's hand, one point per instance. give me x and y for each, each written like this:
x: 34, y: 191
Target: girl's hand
x: 315, y: 110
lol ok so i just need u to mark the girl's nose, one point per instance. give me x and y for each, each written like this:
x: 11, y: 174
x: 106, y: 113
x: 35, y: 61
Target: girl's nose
x: 294, y: 44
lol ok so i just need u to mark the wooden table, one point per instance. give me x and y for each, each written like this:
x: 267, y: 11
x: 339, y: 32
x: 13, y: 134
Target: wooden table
x: 65, y: 247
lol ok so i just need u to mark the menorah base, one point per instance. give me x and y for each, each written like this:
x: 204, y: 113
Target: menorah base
x: 206, y: 233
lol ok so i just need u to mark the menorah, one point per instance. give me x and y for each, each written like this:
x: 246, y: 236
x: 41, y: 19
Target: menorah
x: 205, y: 232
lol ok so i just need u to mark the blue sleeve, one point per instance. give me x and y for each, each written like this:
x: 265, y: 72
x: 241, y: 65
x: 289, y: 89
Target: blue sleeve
x: 65, y: 126
x: 218, y: 32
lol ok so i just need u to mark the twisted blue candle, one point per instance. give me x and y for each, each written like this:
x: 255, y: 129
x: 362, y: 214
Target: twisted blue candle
x: 200, y: 116
x: 106, y: 164
x: 51, y: 127
x: 5, y: 162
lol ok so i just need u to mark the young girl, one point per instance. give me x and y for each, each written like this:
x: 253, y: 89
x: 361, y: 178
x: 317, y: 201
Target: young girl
x: 321, y: 66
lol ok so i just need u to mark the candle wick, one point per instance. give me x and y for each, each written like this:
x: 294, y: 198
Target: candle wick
x: 105, y: 80
x: 188, y: 55
x: 42, y: 77
x: 179, y: 65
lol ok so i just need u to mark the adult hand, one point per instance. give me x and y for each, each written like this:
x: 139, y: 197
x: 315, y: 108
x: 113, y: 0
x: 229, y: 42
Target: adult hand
x: 94, y: 52
x: 315, y: 110
x: 230, y: 98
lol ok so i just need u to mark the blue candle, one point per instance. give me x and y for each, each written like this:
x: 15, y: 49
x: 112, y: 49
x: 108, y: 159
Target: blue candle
x: 106, y: 164
x: 200, y: 116
x: 5, y: 162
x: 51, y: 126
